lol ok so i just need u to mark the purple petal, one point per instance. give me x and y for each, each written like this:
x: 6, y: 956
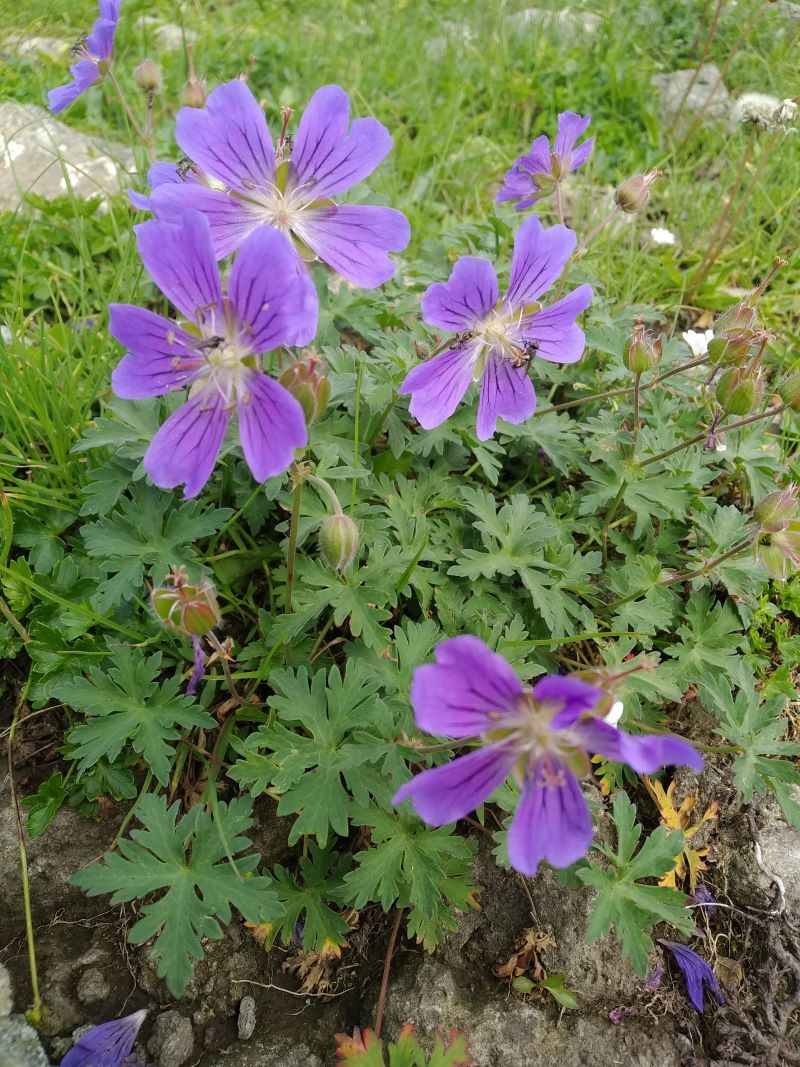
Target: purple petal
x: 185, y: 449
x: 467, y: 296
x: 444, y: 794
x: 180, y: 260
x: 506, y: 392
x: 229, y: 138
x: 466, y: 692
x: 552, y: 821
x: 229, y: 220
x: 161, y: 356
x: 643, y: 754
x: 438, y: 385
x: 100, y: 42
x: 697, y: 973
x: 84, y: 74
x: 553, y: 328
x: 581, y: 154
x: 570, y: 128
x: 109, y: 9
x: 271, y: 426
x: 325, y: 160
x: 198, y: 667
x: 271, y: 293
x: 539, y: 258
x: 354, y: 239
x: 159, y: 174
x: 106, y: 1045
x: 537, y: 160
x: 575, y: 697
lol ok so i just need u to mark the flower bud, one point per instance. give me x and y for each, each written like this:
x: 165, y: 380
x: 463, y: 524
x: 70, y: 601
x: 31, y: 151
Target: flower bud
x: 739, y: 390
x: 306, y: 381
x: 774, y: 511
x: 642, y: 351
x: 148, y: 76
x: 338, y: 541
x: 632, y: 195
x: 188, y: 607
x: 789, y: 391
x: 193, y: 93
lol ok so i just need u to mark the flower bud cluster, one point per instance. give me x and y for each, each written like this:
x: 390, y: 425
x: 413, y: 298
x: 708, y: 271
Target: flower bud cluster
x: 190, y: 608
x: 307, y: 381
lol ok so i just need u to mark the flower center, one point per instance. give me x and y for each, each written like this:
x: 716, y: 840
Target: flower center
x: 499, y: 332
x: 227, y: 368
x: 282, y: 209
x: 530, y: 732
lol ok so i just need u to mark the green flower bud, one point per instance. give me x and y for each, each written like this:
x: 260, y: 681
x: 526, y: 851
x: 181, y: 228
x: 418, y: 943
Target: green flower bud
x: 774, y: 512
x: 306, y: 381
x: 148, y: 76
x: 642, y: 351
x: 193, y: 93
x: 634, y: 192
x: 338, y: 541
x: 789, y: 391
x: 188, y: 607
x: 739, y: 391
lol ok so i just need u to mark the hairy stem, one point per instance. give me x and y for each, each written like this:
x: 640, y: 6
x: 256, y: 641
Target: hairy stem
x: 386, y: 966
x: 768, y: 414
x: 636, y: 395
x: 291, y: 554
x: 137, y: 129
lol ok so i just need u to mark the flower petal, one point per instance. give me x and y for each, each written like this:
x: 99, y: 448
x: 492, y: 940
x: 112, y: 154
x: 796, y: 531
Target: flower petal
x: 325, y: 159
x: 230, y: 220
x: 354, y: 239
x: 84, y: 74
x: 161, y: 356
x: 180, y: 260
x: 539, y: 258
x: 444, y: 794
x: 553, y: 328
x: 570, y: 128
x: 506, y: 392
x: 229, y: 138
x: 186, y: 447
x: 697, y: 973
x: 552, y: 821
x: 467, y: 296
x: 575, y: 696
x: 581, y: 154
x: 644, y: 754
x: 106, y: 1045
x: 271, y: 293
x: 438, y: 385
x: 466, y: 692
x: 100, y: 42
x: 271, y: 426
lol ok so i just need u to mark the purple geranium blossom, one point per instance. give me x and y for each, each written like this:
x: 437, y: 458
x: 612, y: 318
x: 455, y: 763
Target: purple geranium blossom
x: 229, y: 141
x: 270, y: 302
x: 172, y: 174
x: 536, y: 174
x: 93, y: 54
x: 107, y: 1045
x: 496, y: 339
x: 543, y: 736
x: 697, y: 973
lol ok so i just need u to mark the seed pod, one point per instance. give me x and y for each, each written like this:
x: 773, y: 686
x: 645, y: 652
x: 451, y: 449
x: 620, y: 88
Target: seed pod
x: 338, y: 541
x: 148, y: 76
x: 642, y: 350
x: 634, y: 192
x: 774, y: 512
x: 188, y: 607
x: 307, y: 382
x: 193, y: 93
x: 789, y: 391
x: 739, y: 391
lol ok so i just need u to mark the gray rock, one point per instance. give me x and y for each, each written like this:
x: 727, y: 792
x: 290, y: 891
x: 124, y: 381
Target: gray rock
x: 788, y: 9
x: 6, y: 1000
x: 172, y: 1040
x: 169, y: 36
x: 780, y: 851
x: 566, y: 20
x: 707, y: 95
x: 93, y: 986
x: 19, y: 1042
x: 41, y: 155
x: 455, y: 35
x: 266, y: 1053
x: 30, y: 47
x: 247, y: 1018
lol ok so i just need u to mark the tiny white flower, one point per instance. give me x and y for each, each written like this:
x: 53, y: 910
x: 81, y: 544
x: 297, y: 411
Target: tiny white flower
x: 661, y: 236
x: 615, y: 713
x: 698, y: 342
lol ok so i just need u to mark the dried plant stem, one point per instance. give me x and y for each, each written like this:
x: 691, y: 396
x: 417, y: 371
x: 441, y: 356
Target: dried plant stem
x: 597, y: 230
x: 386, y: 966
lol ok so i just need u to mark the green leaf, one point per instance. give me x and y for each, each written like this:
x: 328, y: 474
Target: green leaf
x: 187, y: 863
x: 555, y: 984
x: 710, y: 641
x: 44, y: 803
x: 306, y: 899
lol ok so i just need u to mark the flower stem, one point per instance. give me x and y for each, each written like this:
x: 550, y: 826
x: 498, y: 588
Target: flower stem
x: 597, y: 230
x: 559, y: 203
x: 636, y: 394
x: 609, y: 516
x: 385, y: 978
x: 291, y: 554
x: 137, y: 129
x: 769, y: 413
x: 359, y: 378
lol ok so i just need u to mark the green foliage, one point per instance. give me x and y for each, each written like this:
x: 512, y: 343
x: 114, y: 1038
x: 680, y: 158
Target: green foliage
x: 305, y: 900
x: 193, y: 863
x: 366, y: 1050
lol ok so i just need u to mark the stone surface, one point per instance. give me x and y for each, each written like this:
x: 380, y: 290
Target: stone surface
x: 246, y: 1023
x: 6, y: 1001
x: 23, y: 47
x: 707, y: 95
x: 788, y: 9
x: 93, y: 986
x: 266, y: 1053
x: 168, y: 35
x: 172, y: 1040
x: 567, y: 20
x: 41, y: 155
x: 780, y: 851
x: 19, y: 1042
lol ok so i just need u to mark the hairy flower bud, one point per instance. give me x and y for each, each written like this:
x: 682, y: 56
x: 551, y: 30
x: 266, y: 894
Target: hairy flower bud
x: 306, y: 381
x: 338, y: 541
x: 739, y: 390
x: 789, y: 391
x: 193, y: 93
x: 188, y: 607
x: 148, y: 76
x: 632, y: 195
x: 774, y: 512
x: 642, y: 350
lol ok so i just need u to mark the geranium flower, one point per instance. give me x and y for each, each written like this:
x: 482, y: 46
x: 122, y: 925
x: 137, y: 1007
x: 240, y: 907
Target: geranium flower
x: 217, y: 353
x: 536, y: 174
x: 543, y: 736
x: 496, y: 339
x: 93, y: 54
x: 696, y: 972
x: 171, y: 174
x: 107, y: 1045
x: 229, y: 141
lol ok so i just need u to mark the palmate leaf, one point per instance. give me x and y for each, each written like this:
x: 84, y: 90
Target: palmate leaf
x: 192, y: 863
x: 710, y: 641
x: 306, y: 899
x: 366, y: 1050
x: 623, y: 902
x: 127, y: 704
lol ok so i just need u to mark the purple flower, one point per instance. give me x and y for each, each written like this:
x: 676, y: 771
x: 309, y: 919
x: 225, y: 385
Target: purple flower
x: 198, y: 667
x: 696, y: 972
x: 93, y: 53
x: 229, y: 141
x: 543, y: 736
x: 270, y: 302
x: 536, y: 174
x: 171, y: 174
x: 496, y: 339
x: 703, y: 897
x: 107, y: 1045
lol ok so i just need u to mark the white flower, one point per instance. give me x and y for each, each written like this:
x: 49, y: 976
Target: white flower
x: 759, y: 108
x: 698, y: 342
x: 615, y: 713
x: 663, y: 237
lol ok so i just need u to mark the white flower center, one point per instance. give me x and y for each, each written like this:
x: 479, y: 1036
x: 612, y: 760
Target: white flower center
x: 283, y: 210
x: 499, y: 331
x: 225, y: 370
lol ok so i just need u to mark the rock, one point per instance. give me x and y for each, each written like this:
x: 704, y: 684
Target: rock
x: 788, y: 9
x: 30, y: 47
x: 707, y: 95
x: 19, y: 1042
x: 169, y: 36
x: 93, y: 986
x: 455, y: 35
x: 780, y: 851
x: 266, y: 1053
x: 6, y: 1002
x: 247, y: 1018
x: 38, y: 154
x: 566, y: 20
x: 172, y: 1040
